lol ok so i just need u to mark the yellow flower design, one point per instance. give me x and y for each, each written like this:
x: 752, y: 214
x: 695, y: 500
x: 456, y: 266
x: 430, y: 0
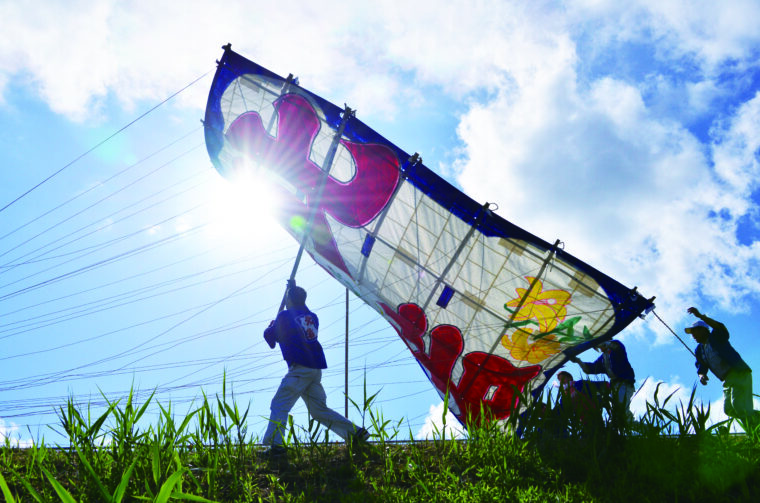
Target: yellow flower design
x: 534, y: 352
x: 548, y: 308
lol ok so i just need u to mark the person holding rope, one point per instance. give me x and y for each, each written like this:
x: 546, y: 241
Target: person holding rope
x: 614, y: 363
x: 716, y: 354
x: 295, y: 330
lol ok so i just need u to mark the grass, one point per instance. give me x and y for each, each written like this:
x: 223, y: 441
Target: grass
x: 668, y: 454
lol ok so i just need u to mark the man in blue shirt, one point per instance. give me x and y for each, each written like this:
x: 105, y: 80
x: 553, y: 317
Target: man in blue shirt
x: 295, y: 329
x: 614, y: 363
x: 715, y: 353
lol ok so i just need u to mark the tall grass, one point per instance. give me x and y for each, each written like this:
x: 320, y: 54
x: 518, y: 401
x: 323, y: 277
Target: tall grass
x: 544, y: 454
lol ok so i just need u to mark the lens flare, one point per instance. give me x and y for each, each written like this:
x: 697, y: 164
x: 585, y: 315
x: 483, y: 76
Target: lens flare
x: 298, y: 223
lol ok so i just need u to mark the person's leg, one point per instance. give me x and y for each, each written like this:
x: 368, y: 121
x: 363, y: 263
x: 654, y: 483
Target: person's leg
x: 728, y: 400
x: 622, y: 393
x: 291, y: 388
x: 316, y: 401
x: 625, y: 395
x: 737, y: 389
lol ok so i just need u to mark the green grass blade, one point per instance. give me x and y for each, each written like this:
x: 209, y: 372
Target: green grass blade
x: 65, y: 496
x: 187, y: 419
x: 31, y: 490
x: 94, y: 475
x: 6, y: 490
x: 156, y: 462
x: 142, y: 409
x: 191, y: 497
x: 92, y: 431
x: 118, y: 495
x: 232, y: 412
x: 166, y: 490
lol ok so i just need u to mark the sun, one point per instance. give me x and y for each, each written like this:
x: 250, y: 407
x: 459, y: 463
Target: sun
x: 242, y: 211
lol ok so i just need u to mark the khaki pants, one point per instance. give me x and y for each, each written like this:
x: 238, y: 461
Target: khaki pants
x: 737, y: 395
x: 622, y: 393
x: 306, y: 383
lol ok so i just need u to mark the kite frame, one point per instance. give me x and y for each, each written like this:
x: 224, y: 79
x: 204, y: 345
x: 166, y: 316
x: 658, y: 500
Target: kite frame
x: 627, y: 303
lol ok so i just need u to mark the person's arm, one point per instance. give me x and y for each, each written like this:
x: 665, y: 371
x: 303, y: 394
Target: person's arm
x: 270, y: 335
x: 701, y: 367
x: 710, y: 322
x: 590, y: 368
x: 619, y: 365
x: 597, y: 367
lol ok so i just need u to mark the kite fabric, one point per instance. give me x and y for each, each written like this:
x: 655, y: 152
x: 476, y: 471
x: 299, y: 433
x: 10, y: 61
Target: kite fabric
x: 484, y: 306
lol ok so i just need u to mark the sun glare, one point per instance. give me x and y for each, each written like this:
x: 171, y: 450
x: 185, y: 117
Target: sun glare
x: 242, y: 211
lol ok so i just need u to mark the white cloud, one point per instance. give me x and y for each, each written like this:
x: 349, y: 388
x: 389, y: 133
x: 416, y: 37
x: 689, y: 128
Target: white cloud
x: 651, y: 387
x: 717, y: 413
x: 679, y: 398
x: 715, y: 31
x: 736, y: 149
x: 433, y: 427
x: 77, y: 51
x: 10, y: 432
x: 77, y: 55
x: 711, y: 32
x: 622, y: 188
x: 602, y: 161
x: 628, y: 188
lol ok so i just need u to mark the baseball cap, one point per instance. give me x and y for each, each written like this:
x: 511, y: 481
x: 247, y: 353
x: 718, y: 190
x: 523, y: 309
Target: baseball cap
x: 699, y: 323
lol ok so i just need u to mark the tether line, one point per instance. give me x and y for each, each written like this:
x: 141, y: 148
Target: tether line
x: 682, y: 342
x: 673, y: 332
x: 98, y: 145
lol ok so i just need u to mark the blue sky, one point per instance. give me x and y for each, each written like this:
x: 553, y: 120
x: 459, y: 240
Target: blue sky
x: 630, y: 132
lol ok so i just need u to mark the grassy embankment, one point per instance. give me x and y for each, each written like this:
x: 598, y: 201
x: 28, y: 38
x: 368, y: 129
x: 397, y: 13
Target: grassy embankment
x: 669, y: 454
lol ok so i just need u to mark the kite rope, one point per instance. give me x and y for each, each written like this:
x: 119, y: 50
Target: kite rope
x: 673, y: 332
x: 99, y: 144
x: 682, y: 342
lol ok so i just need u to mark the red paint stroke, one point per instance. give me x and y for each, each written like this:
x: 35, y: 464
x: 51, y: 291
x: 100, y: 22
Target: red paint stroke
x: 354, y: 203
x: 482, y: 371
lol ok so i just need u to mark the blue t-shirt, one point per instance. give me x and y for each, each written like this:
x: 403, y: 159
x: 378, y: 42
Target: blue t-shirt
x: 614, y: 363
x: 718, y: 355
x: 296, y: 331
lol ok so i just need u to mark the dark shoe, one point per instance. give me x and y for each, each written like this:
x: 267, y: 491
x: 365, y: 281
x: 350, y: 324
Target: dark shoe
x: 277, y: 452
x: 360, y: 435
x: 274, y: 453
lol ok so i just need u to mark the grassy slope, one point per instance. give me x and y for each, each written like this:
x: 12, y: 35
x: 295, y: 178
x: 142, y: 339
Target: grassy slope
x: 493, y: 467
x: 669, y: 456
